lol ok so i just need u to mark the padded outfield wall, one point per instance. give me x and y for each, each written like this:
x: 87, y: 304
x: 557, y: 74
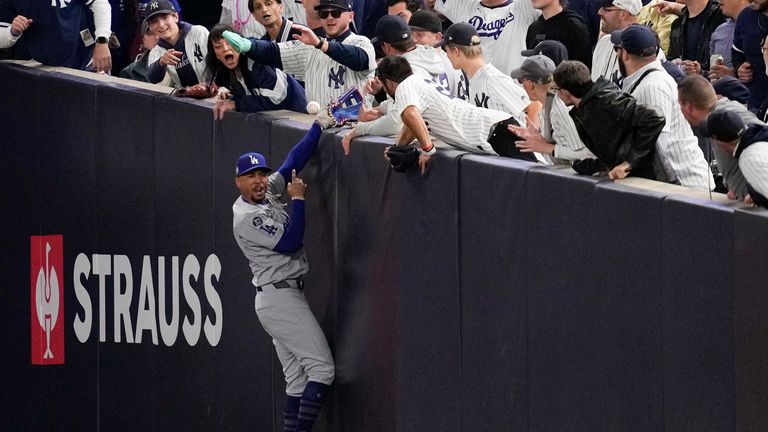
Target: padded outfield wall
x: 491, y: 294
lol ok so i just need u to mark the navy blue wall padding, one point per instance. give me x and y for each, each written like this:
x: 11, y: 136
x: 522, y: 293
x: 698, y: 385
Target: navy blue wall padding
x: 751, y: 332
x: 493, y: 235
x: 698, y: 276
x: 563, y: 331
x: 489, y: 294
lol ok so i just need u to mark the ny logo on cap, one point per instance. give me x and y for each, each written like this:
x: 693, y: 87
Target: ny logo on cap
x: 154, y: 6
x: 254, y: 161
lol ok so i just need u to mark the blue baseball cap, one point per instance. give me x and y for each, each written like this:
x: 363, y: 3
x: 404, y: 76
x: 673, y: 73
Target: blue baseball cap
x: 250, y: 162
x: 723, y: 125
x: 460, y: 33
x: 556, y: 51
x: 732, y: 88
x: 392, y: 28
x: 637, y: 39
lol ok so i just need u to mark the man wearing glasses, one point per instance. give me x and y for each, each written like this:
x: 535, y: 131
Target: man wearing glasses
x: 614, y: 15
x: 329, y: 66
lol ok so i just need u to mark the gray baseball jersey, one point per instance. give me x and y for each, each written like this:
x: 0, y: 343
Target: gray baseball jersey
x: 453, y: 121
x: 502, y: 28
x: 490, y: 88
x: 678, y: 155
x: 325, y: 79
x: 258, y: 228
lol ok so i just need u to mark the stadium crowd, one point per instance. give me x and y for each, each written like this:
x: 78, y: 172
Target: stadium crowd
x: 675, y: 92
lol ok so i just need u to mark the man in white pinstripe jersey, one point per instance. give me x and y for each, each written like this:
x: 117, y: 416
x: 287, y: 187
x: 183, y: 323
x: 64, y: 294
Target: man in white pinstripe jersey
x: 614, y: 15
x: 424, y: 111
x: 678, y: 157
x: 328, y: 66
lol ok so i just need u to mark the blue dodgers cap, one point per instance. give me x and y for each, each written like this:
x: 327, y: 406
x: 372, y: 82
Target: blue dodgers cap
x: 723, y: 125
x: 392, y: 28
x: 460, y: 34
x: 637, y: 39
x: 250, y: 162
x: 345, y: 5
x: 732, y: 88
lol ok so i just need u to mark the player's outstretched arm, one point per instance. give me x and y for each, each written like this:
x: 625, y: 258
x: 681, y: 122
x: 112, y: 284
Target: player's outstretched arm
x: 301, y: 152
x: 293, y: 235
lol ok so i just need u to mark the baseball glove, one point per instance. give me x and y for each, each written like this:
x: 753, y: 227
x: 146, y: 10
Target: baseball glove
x: 198, y: 91
x: 346, y: 108
x: 402, y: 157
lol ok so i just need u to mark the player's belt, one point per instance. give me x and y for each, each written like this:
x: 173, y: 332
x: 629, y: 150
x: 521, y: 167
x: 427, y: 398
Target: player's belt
x: 288, y: 283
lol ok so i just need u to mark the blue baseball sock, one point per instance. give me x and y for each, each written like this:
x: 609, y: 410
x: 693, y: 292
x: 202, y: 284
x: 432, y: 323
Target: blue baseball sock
x: 311, y: 404
x: 291, y: 413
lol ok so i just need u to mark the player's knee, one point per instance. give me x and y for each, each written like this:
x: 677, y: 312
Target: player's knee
x: 324, y: 372
x: 294, y: 384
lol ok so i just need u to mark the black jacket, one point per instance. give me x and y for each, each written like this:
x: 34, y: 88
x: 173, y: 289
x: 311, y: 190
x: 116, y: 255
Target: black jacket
x: 712, y: 18
x: 569, y: 29
x: 617, y: 129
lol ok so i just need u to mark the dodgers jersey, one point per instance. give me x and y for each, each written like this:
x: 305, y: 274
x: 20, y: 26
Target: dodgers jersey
x: 502, y: 29
x: 325, y: 79
x: 452, y: 121
x: 489, y: 88
x: 258, y: 228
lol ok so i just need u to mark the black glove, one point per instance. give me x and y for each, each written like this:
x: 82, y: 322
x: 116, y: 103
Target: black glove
x: 402, y: 157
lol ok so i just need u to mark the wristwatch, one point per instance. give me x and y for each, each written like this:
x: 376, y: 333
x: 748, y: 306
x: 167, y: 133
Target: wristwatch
x: 320, y: 44
x: 102, y: 40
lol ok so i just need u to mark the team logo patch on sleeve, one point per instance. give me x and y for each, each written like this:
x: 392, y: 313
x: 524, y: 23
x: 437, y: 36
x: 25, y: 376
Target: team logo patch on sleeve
x: 257, y: 222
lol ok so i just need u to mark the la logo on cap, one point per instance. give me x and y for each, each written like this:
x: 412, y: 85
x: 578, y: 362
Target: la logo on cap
x: 254, y: 161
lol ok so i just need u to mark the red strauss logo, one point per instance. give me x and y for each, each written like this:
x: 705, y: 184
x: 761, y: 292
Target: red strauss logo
x: 47, y: 299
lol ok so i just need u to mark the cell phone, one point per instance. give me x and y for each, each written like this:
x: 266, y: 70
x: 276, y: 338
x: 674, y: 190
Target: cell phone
x: 715, y: 59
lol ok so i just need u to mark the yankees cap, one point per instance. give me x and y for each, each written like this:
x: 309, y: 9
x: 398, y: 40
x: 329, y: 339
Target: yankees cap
x: 250, y: 162
x: 460, y: 34
x: 538, y: 68
x: 723, y: 125
x: 631, y: 6
x: 553, y: 49
x: 637, y: 39
x: 424, y: 20
x: 337, y: 4
x: 157, y: 7
x: 390, y: 29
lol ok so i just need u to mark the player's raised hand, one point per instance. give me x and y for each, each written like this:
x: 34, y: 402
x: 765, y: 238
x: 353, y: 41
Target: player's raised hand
x: 306, y: 35
x: 239, y: 43
x: 296, y: 188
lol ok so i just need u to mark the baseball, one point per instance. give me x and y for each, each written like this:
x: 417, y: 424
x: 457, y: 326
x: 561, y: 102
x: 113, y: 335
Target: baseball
x: 313, y: 107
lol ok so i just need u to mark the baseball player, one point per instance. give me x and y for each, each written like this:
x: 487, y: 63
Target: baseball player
x: 452, y: 121
x: 558, y: 136
x: 272, y: 241
x: 181, y: 50
x: 252, y: 86
x: 329, y: 67
x: 501, y: 24
x: 488, y: 86
x: 678, y: 157
x: 11, y: 32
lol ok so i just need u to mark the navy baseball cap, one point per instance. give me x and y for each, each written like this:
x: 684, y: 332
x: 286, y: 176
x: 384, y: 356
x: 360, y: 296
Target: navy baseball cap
x: 553, y: 49
x: 424, y: 20
x: 538, y: 68
x: 460, y: 34
x: 157, y: 7
x: 723, y: 125
x: 392, y: 28
x: 637, y: 39
x: 251, y: 162
x: 334, y: 4
x: 732, y: 88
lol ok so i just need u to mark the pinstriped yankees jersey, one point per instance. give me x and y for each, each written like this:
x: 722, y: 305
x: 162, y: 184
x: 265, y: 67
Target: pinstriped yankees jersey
x: 325, y: 79
x: 753, y: 163
x: 502, y: 29
x: 568, y: 145
x: 605, y: 63
x: 678, y: 155
x: 452, y: 121
x: 489, y: 88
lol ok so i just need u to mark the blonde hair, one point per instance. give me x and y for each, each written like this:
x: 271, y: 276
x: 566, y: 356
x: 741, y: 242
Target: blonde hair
x: 468, y: 51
